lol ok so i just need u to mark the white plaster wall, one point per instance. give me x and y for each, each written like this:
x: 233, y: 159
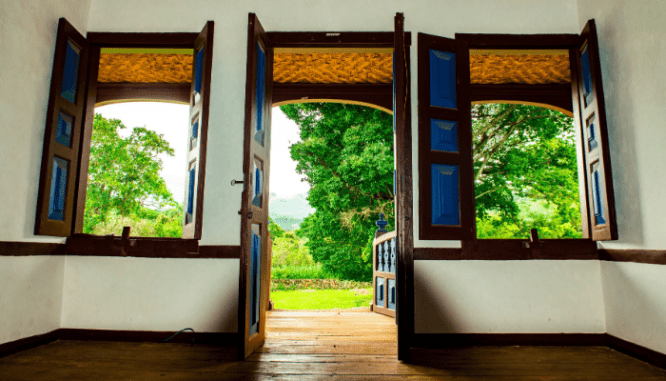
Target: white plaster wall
x: 30, y: 287
x: 508, y: 297
x: 150, y: 294
x: 30, y: 296
x: 636, y: 302
x: 27, y: 40
x: 632, y: 42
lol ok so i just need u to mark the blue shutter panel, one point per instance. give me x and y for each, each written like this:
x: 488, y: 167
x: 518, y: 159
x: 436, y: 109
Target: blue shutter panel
x: 442, y: 79
x: 255, y: 280
x: 261, y: 92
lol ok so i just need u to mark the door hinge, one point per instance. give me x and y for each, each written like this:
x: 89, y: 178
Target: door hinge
x: 249, y: 215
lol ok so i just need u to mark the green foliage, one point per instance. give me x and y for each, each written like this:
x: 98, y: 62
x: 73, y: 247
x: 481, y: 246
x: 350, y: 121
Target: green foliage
x: 124, y: 184
x: 290, y: 250
x: 525, y: 172
x: 346, y: 156
x: 321, y: 299
x: 311, y: 271
x: 274, y: 229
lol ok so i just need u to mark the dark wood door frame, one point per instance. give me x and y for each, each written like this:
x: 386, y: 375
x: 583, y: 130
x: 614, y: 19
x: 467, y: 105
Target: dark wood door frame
x: 403, y: 143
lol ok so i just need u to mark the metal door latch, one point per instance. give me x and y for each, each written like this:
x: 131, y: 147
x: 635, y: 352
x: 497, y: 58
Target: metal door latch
x: 234, y: 182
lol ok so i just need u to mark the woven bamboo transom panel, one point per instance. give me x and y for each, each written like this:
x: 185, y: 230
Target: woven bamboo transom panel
x: 333, y: 68
x: 145, y: 68
x: 494, y: 69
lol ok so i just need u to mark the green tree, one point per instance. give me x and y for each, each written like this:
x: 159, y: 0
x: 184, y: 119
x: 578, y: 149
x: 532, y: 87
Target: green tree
x: 525, y: 172
x: 346, y: 156
x: 124, y: 184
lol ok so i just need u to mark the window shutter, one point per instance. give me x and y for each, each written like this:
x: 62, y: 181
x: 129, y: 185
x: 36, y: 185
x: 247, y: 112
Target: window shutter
x: 198, y: 131
x: 62, y: 137
x: 589, y: 107
x: 446, y: 186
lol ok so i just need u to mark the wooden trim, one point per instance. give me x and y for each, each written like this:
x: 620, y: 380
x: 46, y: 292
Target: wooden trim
x: 449, y: 340
x: 373, y: 94
x: 220, y: 251
x: 513, y: 250
x: 335, y: 39
x: 518, y: 41
x: 170, y: 92
x: 223, y: 339
x: 27, y: 343
x: 653, y: 257
x: 21, y: 249
x: 637, y: 351
x: 141, y: 40
x: 555, y: 95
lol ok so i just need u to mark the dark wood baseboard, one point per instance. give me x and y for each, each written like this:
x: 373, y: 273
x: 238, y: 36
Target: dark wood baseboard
x: 222, y: 339
x: 637, y: 351
x: 27, y: 343
x: 453, y: 340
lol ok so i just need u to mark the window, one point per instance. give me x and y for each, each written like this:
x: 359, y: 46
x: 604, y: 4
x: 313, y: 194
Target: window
x: 73, y: 95
x: 445, y: 165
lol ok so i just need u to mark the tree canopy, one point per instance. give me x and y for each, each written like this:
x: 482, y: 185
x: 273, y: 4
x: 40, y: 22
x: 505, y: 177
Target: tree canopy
x: 124, y: 183
x: 346, y: 156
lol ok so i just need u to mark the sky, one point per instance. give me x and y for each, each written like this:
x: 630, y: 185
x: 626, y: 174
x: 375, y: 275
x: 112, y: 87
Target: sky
x: 171, y: 120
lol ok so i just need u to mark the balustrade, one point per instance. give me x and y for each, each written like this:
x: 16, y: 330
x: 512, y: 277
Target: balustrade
x: 384, y: 267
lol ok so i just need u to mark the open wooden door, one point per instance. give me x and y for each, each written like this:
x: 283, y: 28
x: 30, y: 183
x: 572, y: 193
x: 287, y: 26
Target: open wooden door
x: 254, y: 285
x: 404, y: 243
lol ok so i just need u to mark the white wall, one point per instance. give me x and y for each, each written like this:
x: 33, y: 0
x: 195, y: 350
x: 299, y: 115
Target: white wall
x: 632, y: 42
x: 150, y: 294
x: 508, y: 296
x: 30, y: 287
x: 30, y: 296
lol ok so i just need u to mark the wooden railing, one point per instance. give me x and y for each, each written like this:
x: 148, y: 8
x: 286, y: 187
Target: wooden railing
x: 384, y: 256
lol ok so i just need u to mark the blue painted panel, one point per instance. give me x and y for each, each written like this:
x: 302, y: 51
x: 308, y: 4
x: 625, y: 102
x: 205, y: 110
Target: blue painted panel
x: 390, y: 294
x: 443, y: 135
x: 442, y: 79
x: 258, y: 186
x: 599, y: 214
x: 255, y: 278
x: 445, y: 194
x: 64, y: 131
x: 198, y: 74
x: 380, y: 297
x: 261, y: 91
x: 592, y: 134
x: 189, y: 211
x: 588, y: 94
x: 195, y: 129
x: 71, y: 72
x: 58, y: 189
x: 393, y: 255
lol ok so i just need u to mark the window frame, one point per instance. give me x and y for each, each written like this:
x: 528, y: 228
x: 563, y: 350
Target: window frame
x: 553, y: 95
x: 87, y: 92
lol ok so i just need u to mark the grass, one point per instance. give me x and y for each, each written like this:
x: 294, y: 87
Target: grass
x: 321, y: 299
x: 315, y: 271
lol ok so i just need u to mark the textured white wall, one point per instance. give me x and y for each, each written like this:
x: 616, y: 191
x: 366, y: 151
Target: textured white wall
x: 150, y: 294
x: 27, y: 41
x: 508, y: 296
x: 30, y: 287
x: 632, y: 43
x: 30, y: 296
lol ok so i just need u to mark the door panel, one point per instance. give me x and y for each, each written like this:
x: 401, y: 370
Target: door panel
x: 254, y: 283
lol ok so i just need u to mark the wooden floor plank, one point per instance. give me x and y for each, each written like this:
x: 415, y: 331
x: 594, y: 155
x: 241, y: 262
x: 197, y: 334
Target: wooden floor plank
x: 331, y: 345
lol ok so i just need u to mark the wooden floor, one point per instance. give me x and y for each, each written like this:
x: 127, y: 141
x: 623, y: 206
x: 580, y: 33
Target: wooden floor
x: 320, y: 345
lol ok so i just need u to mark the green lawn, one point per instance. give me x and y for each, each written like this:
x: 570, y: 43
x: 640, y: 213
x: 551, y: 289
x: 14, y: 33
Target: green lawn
x: 321, y: 299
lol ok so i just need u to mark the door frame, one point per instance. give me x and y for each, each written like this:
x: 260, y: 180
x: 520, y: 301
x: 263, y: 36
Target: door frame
x: 403, y: 152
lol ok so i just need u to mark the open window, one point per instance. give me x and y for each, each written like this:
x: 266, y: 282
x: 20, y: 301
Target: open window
x: 447, y: 202
x: 75, y: 90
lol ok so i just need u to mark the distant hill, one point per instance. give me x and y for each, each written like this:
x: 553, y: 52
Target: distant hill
x: 289, y: 212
